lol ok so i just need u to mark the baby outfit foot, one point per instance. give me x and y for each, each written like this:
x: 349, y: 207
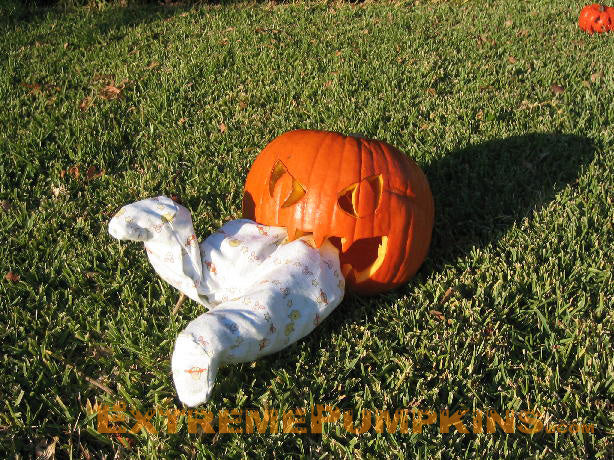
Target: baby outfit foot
x: 194, y: 370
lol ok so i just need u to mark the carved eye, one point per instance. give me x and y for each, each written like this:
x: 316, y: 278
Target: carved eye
x: 362, y: 198
x: 298, y: 190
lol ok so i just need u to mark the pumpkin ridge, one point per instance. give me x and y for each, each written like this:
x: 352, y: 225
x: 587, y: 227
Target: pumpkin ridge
x: 341, y: 161
x: 309, y: 181
x: 319, y: 238
x: 325, y: 163
x: 361, y: 142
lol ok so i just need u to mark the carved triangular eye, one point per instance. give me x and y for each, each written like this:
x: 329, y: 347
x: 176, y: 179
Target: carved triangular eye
x: 278, y: 171
x: 362, y: 198
x: 298, y: 190
x: 347, y: 200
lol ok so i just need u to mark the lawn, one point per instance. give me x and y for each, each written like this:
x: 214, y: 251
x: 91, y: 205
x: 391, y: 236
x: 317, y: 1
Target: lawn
x: 508, y: 108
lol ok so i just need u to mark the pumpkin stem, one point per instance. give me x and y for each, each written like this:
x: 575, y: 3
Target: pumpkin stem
x: 601, y: 8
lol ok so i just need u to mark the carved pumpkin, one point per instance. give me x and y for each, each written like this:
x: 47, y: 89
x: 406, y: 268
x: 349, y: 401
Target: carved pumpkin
x: 596, y: 18
x: 363, y: 195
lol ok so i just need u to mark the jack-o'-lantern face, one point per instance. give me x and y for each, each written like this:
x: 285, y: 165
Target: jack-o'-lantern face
x: 364, y: 196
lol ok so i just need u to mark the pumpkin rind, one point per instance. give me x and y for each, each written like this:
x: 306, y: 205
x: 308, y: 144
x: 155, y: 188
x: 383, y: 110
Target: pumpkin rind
x: 596, y: 18
x: 352, y: 191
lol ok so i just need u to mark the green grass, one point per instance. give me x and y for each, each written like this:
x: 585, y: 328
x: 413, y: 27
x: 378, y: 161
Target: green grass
x: 520, y: 267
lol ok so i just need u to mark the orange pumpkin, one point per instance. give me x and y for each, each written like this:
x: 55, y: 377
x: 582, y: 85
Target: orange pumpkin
x: 596, y: 18
x: 363, y: 195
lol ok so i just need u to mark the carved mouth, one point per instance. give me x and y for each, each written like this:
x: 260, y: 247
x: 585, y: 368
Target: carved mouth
x: 361, y: 259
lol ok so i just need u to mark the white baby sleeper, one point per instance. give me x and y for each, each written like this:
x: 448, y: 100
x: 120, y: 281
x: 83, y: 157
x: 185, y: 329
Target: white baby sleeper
x: 262, y: 292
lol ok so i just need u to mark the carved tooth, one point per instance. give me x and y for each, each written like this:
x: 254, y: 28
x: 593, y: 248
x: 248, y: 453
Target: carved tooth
x: 345, y: 244
x: 299, y: 233
x: 291, y: 232
x: 318, y: 238
x: 346, y: 270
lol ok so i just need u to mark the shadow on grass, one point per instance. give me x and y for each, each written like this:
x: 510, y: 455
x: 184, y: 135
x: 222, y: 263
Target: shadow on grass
x: 482, y: 190
x: 106, y: 19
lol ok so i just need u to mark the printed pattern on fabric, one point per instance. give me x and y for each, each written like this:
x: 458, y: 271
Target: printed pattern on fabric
x: 262, y: 292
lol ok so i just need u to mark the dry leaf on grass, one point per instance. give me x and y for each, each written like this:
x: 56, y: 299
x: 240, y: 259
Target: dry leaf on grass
x: 485, y: 39
x: 438, y: 315
x: 113, y: 91
x: 110, y: 92
x: 449, y: 292
x: 597, y: 76
x: 33, y: 87
x: 557, y: 89
x: 223, y: 128
x: 86, y: 103
x: 12, y: 277
x: 73, y: 171
x: 92, y: 174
